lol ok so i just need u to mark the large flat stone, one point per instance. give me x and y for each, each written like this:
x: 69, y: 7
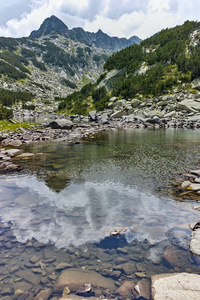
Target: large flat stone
x: 74, y: 278
x: 29, y: 276
x: 189, y: 105
x: 180, y: 286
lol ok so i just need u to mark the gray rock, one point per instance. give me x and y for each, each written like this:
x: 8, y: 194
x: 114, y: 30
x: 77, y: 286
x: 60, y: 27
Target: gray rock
x: 74, y: 278
x: 27, y: 137
x: 128, y: 268
x: 17, y: 294
x: 63, y: 266
x: 60, y: 124
x: 126, y: 289
x: 44, y: 294
x: 189, y: 105
x: 93, y: 115
x: 113, y: 99
x: 180, y: 286
x: 195, y: 172
x: 15, y: 143
x: 120, y: 104
x: 12, y: 152
x: 195, y: 187
x: 174, y: 257
x: 24, y: 286
x: 25, y: 155
x: 185, y: 185
x: 142, y: 289
x: 135, y: 103
x: 195, y: 241
x: 117, y: 114
x: 170, y: 114
x: 196, y: 84
x: 29, y: 276
x: 85, y: 289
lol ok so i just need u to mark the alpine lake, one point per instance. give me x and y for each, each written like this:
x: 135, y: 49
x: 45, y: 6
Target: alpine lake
x: 60, y: 211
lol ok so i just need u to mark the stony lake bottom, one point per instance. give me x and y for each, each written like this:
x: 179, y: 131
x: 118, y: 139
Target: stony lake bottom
x: 65, y: 202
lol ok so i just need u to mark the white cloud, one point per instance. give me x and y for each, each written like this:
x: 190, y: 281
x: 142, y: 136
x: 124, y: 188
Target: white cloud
x: 115, y: 17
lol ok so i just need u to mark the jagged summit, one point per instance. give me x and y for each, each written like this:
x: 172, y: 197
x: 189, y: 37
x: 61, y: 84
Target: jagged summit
x: 53, y: 25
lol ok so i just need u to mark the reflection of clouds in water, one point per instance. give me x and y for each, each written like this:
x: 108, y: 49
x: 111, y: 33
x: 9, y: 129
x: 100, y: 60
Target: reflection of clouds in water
x: 87, y: 212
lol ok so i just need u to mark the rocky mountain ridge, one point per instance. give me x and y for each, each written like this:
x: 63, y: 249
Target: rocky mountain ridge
x: 48, y: 67
x: 54, y: 26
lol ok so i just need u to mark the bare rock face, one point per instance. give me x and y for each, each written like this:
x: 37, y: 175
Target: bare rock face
x: 74, y: 278
x: 180, y: 286
x: 61, y: 124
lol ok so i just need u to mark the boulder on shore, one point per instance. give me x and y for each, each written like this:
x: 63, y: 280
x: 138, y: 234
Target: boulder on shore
x: 61, y: 124
x: 179, y: 286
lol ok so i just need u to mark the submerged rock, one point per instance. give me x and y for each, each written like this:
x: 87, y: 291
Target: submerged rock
x: 85, y: 289
x: 44, y: 294
x: 126, y: 289
x: 142, y: 289
x: 63, y: 266
x: 74, y: 278
x: 180, y: 286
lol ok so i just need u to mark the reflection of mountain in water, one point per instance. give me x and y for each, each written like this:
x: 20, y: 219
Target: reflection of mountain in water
x: 87, y: 212
x: 57, y: 181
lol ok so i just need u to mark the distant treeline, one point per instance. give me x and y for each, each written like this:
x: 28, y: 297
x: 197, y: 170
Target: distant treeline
x: 8, y: 98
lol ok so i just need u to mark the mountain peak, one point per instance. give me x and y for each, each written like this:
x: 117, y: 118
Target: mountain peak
x: 51, y: 25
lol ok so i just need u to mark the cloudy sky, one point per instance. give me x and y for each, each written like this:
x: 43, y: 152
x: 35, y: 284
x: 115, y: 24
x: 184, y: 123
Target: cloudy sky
x: 122, y: 18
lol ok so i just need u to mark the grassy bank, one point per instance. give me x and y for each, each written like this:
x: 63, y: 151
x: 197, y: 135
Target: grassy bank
x: 6, y: 126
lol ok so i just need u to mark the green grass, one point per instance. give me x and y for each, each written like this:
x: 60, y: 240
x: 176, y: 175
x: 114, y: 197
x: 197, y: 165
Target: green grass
x: 6, y: 126
x: 85, y: 80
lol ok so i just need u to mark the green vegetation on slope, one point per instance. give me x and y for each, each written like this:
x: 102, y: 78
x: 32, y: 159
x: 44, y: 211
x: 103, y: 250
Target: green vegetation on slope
x: 56, y: 56
x: 5, y: 113
x: 160, y: 63
x: 8, y: 98
x: 78, y: 102
x: 162, y: 53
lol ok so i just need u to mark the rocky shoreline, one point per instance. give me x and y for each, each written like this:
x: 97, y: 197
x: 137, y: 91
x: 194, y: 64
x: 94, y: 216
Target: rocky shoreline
x: 66, y: 130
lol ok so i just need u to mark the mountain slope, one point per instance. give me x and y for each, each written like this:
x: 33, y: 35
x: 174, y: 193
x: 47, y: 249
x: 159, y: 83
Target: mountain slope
x: 166, y: 59
x: 161, y: 75
x: 48, y: 67
x: 53, y: 25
